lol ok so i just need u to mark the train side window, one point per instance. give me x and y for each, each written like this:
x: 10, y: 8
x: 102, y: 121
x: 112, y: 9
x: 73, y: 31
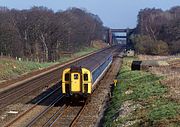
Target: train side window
x: 85, y: 77
x: 67, y: 77
x: 75, y: 76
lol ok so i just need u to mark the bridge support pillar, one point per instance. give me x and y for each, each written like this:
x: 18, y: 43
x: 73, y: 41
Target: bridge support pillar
x: 109, y: 37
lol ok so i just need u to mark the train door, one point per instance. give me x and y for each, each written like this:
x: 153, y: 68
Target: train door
x: 75, y: 82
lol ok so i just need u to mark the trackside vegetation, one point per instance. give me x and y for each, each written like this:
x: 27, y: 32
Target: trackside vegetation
x: 82, y: 52
x: 11, y: 68
x: 140, y: 99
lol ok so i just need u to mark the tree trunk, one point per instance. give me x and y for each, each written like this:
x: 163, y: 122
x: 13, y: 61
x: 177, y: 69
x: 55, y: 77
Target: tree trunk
x: 45, y: 48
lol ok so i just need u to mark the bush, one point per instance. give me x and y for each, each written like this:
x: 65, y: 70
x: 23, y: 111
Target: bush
x: 145, y: 45
x: 160, y: 48
x: 175, y: 47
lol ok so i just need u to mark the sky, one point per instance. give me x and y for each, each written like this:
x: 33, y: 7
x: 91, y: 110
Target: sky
x: 113, y: 13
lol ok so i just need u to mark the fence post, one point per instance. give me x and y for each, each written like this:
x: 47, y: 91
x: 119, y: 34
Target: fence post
x: 20, y: 59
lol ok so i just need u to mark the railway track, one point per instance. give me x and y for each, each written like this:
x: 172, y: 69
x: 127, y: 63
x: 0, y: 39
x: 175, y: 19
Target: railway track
x: 69, y: 116
x: 50, y: 99
x: 36, y: 121
x: 53, y: 118
x: 63, y: 115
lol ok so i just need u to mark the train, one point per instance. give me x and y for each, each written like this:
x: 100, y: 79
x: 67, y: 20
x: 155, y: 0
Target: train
x: 80, y: 81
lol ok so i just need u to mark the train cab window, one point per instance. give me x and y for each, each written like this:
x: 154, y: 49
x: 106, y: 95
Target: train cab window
x: 85, y: 77
x: 67, y: 77
x: 75, y: 76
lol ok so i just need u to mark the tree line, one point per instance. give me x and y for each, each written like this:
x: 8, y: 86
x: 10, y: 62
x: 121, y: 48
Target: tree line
x: 42, y: 34
x: 158, y: 31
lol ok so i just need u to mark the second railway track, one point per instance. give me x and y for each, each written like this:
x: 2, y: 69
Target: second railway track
x: 70, y: 115
x: 42, y: 106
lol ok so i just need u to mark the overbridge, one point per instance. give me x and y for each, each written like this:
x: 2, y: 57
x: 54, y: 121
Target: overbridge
x: 111, y: 36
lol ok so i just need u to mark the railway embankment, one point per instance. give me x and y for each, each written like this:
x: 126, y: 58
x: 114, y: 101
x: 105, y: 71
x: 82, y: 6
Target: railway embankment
x: 12, y: 70
x: 141, y: 98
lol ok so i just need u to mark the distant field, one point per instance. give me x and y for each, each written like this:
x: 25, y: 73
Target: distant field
x: 142, y: 99
x: 11, y: 68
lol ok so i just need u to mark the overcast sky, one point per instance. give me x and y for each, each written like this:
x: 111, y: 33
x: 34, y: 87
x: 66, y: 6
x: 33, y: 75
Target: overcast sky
x: 113, y: 13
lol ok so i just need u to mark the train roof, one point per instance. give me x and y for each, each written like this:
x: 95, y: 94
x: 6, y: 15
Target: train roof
x: 76, y: 69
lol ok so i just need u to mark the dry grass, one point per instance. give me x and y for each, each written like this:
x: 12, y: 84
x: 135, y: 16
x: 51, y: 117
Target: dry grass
x: 99, y: 44
x: 171, y: 73
x: 172, y: 80
x: 150, y: 57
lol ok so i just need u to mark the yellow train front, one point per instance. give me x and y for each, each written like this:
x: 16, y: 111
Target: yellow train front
x: 76, y: 82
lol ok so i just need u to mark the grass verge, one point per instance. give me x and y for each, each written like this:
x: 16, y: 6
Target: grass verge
x: 140, y: 99
x: 10, y: 68
x: 82, y: 52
